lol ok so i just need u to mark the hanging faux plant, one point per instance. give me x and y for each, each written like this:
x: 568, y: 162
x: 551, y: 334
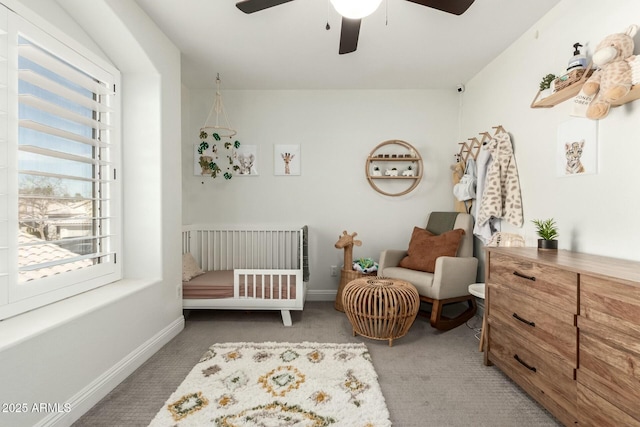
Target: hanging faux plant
x: 208, y: 161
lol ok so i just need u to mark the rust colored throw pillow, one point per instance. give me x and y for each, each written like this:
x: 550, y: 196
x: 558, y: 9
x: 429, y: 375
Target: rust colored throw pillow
x: 425, y: 247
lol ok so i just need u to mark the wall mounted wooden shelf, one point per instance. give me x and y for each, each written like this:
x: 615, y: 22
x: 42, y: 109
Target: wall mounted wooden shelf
x: 572, y: 90
x: 389, y: 155
x: 557, y: 97
x: 563, y: 94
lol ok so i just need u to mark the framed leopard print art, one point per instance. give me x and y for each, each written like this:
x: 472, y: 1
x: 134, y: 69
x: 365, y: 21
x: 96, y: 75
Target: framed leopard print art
x: 577, y: 151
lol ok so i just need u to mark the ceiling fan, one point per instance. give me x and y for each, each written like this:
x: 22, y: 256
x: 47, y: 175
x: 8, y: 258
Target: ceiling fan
x: 350, y: 29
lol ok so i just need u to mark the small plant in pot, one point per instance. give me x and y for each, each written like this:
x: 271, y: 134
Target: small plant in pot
x: 545, y: 85
x: 547, y: 230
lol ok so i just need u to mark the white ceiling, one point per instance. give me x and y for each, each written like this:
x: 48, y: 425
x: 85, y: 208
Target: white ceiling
x: 402, y: 45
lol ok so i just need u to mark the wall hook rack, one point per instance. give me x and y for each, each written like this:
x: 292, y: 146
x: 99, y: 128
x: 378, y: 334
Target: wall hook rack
x: 472, y: 148
x: 498, y: 129
x: 486, y: 137
x: 468, y: 150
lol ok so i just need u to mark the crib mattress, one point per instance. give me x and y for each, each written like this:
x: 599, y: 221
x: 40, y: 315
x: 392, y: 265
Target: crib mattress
x: 219, y: 284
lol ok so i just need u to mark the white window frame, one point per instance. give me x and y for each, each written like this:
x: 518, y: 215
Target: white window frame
x: 16, y: 298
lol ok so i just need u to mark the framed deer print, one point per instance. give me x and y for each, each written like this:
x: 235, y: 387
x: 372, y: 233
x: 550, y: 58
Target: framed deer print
x: 577, y: 147
x: 286, y: 159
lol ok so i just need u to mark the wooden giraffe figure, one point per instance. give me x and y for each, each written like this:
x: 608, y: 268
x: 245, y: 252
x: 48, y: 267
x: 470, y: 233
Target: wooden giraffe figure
x: 287, y: 157
x: 346, y: 242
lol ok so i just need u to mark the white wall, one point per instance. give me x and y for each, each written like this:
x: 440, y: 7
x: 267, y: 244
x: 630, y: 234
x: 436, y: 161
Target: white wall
x: 595, y: 213
x: 336, y: 131
x: 77, y: 350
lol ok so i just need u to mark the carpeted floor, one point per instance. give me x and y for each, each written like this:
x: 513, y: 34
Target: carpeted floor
x: 428, y: 378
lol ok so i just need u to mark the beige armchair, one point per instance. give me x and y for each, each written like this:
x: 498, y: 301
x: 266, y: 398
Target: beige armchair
x: 449, y: 283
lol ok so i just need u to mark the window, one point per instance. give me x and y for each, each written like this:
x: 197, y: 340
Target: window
x: 59, y: 157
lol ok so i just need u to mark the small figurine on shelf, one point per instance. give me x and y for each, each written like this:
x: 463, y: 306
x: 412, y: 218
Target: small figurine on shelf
x: 376, y: 171
x: 408, y: 172
x: 391, y: 172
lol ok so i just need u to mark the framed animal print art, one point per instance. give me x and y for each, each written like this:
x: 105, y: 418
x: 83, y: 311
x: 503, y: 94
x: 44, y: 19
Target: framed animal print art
x: 286, y: 159
x: 218, y: 158
x: 577, y: 147
x: 246, y: 160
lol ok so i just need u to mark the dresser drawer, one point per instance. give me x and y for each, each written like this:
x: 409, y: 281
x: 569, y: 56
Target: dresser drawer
x: 506, y: 344
x: 610, y: 365
x: 542, y: 324
x: 556, y: 286
x: 598, y: 412
x: 610, y: 302
x: 547, y: 380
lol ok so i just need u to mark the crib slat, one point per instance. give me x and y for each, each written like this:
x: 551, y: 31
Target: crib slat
x: 288, y: 286
x: 236, y: 286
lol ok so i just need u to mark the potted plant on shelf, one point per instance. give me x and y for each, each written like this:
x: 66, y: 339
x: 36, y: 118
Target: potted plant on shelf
x: 545, y: 85
x: 547, y: 230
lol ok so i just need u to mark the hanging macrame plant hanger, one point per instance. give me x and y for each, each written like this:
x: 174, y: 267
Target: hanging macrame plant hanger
x: 217, y: 130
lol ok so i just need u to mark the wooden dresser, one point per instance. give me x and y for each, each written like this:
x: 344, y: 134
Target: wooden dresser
x: 565, y: 326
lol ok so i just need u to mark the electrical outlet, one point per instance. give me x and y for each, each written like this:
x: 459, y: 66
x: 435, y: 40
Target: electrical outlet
x: 334, y: 270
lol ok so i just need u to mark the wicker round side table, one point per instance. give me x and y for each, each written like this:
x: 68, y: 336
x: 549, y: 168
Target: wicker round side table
x: 380, y: 308
x: 347, y: 276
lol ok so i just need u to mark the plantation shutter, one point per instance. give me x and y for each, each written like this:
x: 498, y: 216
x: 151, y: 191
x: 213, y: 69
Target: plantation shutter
x: 61, y: 205
x: 7, y: 235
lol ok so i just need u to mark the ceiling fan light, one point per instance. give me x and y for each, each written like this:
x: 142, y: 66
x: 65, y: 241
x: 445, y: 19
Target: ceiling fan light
x: 355, y: 9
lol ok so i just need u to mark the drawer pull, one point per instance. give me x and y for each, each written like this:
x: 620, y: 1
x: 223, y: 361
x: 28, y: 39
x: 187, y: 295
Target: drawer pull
x: 524, y: 276
x: 524, y: 320
x: 523, y: 363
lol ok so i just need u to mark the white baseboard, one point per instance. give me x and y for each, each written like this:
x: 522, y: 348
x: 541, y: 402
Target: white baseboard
x: 321, y: 295
x: 86, y: 398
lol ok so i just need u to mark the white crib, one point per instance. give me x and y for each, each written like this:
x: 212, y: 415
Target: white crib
x: 247, y: 268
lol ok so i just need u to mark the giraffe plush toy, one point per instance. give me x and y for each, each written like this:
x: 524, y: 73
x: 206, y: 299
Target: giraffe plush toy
x: 612, y: 80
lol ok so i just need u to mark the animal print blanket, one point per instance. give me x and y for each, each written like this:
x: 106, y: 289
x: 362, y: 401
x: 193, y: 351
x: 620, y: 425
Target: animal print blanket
x: 501, y: 196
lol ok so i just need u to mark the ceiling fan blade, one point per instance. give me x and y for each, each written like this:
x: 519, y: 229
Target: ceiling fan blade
x: 457, y: 7
x: 349, y: 35
x: 250, y: 6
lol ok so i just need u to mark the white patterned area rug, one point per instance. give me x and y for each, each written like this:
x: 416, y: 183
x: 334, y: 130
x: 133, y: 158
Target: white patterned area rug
x: 279, y: 384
